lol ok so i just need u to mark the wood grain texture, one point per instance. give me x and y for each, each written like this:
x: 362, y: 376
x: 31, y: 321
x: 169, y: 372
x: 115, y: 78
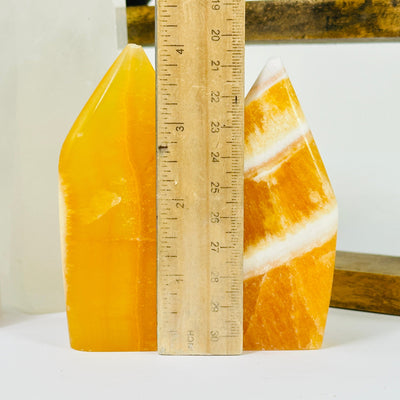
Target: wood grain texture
x: 141, y: 25
x: 282, y: 20
x: 367, y: 282
x: 321, y: 19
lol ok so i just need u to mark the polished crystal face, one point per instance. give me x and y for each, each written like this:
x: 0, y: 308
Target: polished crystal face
x: 290, y: 221
x: 107, y: 174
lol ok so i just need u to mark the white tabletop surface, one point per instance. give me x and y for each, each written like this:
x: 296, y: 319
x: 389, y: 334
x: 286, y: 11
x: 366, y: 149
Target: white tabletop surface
x: 360, y: 359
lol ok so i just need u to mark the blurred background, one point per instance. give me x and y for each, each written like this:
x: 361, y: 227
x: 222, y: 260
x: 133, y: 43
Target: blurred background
x: 53, y: 54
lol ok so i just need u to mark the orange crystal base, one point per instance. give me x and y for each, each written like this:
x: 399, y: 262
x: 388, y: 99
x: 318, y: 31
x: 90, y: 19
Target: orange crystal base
x: 107, y: 202
x: 107, y: 175
x: 290, y: 222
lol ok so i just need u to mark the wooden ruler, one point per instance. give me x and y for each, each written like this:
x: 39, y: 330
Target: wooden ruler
x: 200, y: 66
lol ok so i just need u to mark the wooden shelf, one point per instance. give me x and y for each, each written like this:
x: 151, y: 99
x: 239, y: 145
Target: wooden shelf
x: 367, y: 282
x: 283, y: 20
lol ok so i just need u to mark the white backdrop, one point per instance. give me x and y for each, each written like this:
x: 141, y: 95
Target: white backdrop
x: 53, y: 55
x: 349, y: 93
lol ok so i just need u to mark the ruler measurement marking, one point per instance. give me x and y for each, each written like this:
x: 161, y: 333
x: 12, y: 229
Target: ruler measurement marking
x: 173, y: 58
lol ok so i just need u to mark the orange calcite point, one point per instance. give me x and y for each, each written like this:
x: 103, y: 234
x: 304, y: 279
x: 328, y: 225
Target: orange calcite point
x: 290, y: 221
x: 107, y: 175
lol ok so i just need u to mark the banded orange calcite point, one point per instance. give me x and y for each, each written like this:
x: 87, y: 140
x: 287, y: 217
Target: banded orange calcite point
x: 290, y: 221
x: 107, y: 175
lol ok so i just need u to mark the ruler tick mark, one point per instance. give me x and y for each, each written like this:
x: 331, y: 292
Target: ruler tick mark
x: 184, y: 209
